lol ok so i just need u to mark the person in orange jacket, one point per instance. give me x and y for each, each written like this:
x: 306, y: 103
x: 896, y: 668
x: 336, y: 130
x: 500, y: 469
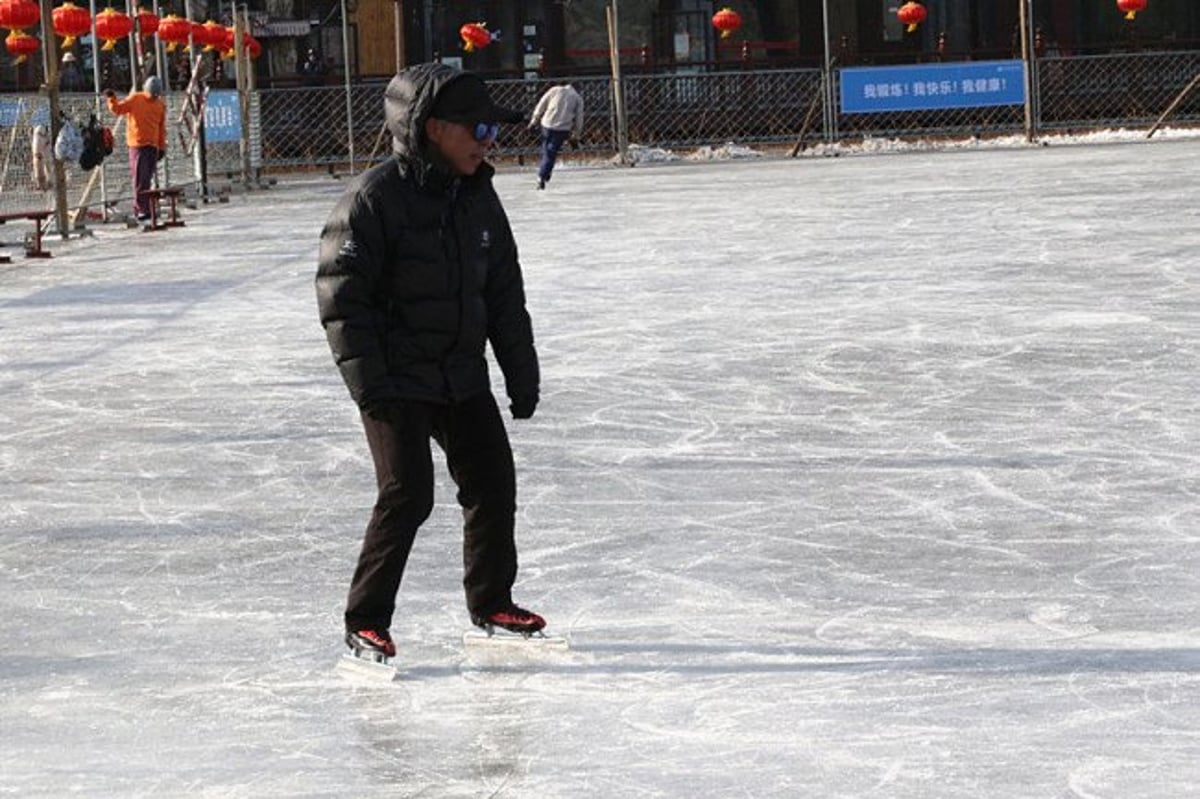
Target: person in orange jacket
x: 146, y: 135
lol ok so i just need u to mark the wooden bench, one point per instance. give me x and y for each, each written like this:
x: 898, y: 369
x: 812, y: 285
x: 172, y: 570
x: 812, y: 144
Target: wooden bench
x: 33, y: 241
x: 155, y: 197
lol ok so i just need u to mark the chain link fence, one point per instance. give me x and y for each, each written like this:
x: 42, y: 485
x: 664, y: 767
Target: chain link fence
x: 751, y: 107
x: 105, y: 192
x: 1128, y: 90
x: 328, y: 128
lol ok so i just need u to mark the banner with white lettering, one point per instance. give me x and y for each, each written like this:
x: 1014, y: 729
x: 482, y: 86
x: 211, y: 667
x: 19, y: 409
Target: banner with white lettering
x: 928, y: 87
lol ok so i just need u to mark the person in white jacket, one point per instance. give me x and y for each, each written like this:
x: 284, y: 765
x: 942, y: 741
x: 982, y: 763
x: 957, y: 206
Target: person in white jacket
x: 559, y: 117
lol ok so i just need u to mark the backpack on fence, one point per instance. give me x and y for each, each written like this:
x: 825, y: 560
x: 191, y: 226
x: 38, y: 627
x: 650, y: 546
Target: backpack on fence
x: 96, y: 146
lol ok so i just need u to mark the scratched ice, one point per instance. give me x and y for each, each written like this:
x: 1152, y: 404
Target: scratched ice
x: 870, y: 476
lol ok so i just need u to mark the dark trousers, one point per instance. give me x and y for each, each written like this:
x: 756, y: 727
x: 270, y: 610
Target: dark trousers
x: 552, y: 143
x: 142, y: 163
x: 472, y: 435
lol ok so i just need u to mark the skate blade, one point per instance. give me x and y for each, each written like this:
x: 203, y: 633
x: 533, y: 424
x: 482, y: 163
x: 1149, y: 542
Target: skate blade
x: 353, y: 666
x: 537, y: 642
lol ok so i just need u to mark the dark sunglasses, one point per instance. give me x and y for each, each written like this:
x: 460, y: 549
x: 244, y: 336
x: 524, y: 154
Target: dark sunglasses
x: 486, y: 131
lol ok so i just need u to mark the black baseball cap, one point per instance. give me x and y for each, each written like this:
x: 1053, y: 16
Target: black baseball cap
x: 465, y: 99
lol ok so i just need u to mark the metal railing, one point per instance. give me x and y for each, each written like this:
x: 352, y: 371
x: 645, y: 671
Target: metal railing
x: 308, y: 128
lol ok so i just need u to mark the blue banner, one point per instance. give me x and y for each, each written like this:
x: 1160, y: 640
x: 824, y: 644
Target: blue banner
x: 927, y: 87
x: 222, y: 117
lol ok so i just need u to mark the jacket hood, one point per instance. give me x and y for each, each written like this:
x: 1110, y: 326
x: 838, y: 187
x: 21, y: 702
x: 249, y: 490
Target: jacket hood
x: 408, y: 100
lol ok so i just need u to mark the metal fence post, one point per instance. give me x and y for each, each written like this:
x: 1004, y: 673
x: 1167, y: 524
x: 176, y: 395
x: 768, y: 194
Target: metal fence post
x: 346, y: 75
x: 827, y: 78
x: 614, y: 44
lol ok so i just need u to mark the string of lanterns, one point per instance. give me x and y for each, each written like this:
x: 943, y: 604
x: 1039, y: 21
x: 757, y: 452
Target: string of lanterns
x: 111, y: 26
x: 71, y: 21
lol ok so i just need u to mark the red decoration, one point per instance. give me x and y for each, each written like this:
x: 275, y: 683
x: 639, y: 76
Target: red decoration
x: 112, y: 26
x: 912, y: 14
x: 147, y: 22
x: 249, y: 43
x: 1131, y: 7
x: 71, y: 22
x: 226, y: 45
x: 475, y: 35
x: 173, y: 30
x: 21, y: 44
x: 727, y: 21
x: 212, y: 35
x: 18, y: 15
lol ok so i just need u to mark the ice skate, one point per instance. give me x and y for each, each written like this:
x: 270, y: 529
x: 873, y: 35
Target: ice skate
x: 370, y: 654
x: 513, y: 619
x: 512, y: 626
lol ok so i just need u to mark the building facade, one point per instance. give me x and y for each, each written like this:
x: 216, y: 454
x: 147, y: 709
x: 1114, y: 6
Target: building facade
x: 659, y: 35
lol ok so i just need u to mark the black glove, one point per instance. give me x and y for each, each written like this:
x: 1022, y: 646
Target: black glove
x: 574, y: 144
x: 160, y: 155
x: 523, y: 407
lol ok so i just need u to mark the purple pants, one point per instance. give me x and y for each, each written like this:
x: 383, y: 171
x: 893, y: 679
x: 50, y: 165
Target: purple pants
x: 142, y: 163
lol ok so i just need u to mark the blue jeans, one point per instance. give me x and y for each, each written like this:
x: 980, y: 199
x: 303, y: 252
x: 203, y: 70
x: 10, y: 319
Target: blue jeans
x: 552, y: 143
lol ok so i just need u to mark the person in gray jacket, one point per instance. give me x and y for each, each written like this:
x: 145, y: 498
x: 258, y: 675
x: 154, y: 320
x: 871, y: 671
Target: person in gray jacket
x: 418, y: 273
x: 558, y: 117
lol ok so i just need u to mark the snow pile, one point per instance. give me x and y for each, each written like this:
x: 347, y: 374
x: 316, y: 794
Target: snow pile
x: 643, y: 155
x: 639, y: 154
x: 725, y: 152
x: 871, y: 145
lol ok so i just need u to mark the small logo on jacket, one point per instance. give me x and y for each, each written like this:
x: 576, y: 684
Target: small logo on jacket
x: 485, y: 239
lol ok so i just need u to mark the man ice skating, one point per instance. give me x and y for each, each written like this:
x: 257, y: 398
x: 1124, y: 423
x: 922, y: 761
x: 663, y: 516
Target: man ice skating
x: 558, y: 116
x: 146, y: 136
x: 418, y: 272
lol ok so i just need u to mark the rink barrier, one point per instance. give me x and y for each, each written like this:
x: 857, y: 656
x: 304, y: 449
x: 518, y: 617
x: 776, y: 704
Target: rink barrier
x: 309, y: 129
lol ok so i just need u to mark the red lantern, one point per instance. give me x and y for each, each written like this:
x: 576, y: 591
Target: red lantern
x: 147, y: 22
x: 213, y: 35
x: 912, y: 14
x: 112, y: 26
x: 20, y: 44
x: 475, y: 35
x: 727, y: 21
x: 1131, y: 7
x: 173, y: 30
x: 71, y: 22
x: 226, y: 43
x: 18, y: 15
x: 249, y: 45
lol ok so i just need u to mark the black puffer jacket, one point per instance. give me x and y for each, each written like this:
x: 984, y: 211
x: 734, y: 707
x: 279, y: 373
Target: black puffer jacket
x: 418, y: 270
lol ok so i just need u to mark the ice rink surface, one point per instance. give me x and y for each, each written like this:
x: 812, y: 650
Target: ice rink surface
x: 871, y: 476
